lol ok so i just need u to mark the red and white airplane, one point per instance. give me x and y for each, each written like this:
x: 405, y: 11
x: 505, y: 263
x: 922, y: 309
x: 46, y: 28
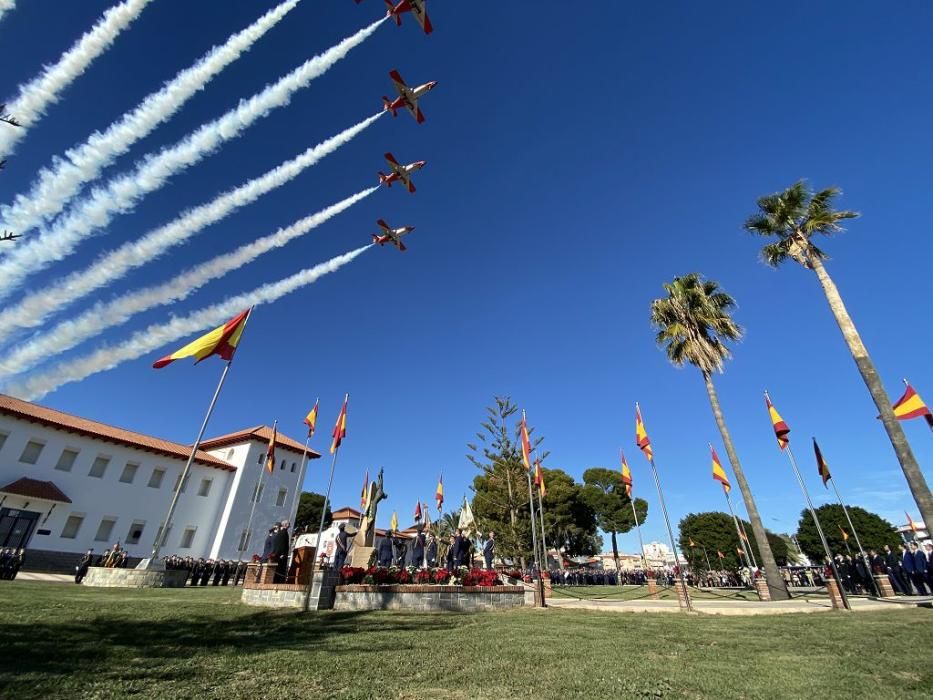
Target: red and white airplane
x: 400, y: 173
x: 416, y: 7
x: 407, y: 97
x: 391, y: 235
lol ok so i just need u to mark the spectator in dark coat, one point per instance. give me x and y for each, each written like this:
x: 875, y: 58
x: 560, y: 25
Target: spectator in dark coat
x: 280, y: 546
x: 385, y: 552
x: 920, y: 568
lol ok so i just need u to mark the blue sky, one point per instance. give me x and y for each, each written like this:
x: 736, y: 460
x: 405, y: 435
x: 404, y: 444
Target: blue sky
x: 577, y: 159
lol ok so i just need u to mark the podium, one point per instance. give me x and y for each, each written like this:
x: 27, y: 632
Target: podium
x: 300, y: 570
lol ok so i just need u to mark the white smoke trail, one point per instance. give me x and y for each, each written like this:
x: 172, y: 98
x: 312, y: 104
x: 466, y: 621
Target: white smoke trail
x: 6, y: 6
x: 36, y: 96
x: 56, y: 184
x: 36, y: 307
x: 159, y: 334
x: 102, y: 316
x: 97, y: 209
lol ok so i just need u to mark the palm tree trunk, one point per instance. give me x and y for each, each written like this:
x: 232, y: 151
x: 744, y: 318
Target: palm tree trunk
x: 916, y: 482
x: 772, y: 573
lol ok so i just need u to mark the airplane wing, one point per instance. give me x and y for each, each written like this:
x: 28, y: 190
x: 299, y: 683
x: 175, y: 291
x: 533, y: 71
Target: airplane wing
x: 412, y: 106
x: 394, y: 164
x: 383, y: 225
x: 421, y: 14
x: 391, y: 159
x: 400, y: 85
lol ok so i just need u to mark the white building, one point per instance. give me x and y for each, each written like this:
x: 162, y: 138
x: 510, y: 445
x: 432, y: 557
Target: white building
x: 68, y: 484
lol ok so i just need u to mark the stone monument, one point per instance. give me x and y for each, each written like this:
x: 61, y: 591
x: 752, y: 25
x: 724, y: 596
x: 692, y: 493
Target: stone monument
x: 362, y: 551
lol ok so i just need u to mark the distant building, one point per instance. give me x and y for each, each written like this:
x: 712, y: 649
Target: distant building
x: 68, y: 484
x: 908, y: 534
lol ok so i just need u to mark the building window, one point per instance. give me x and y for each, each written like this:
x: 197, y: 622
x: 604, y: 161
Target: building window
x: 257, y: 492
x: 99, y: 467
x: 129, y: 472
x: 262, y: 457
x: 155, y: 481
x: 162, y: 535
x: 66, y: 460
x: 229, y: 453
x: 205, y: 487
x: 105, y: 529
x: 3, y: 437
x: 187, y: 537
x: 280, y: 499
x: 31, y: 452
x: 243, y: 537
x: 282, y: 465
x: 72, y: 525
x: 136, y: 532
x: 184, y: 485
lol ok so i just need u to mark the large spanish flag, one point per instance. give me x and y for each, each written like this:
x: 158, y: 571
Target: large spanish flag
x: 914, y: 527
x: 719, y: 474
x: 821, y: 465
x: 364, y: 494
x: 641, y: 435
x: 340, y: 428
x: 526, y: 443
x: 626, y: 475
x: 780, y: 427
x: 439, y: 492
x: 910, y: 405
x: 270, y: 451
x: 539, y: 479
x: 311, y: 418
x: 221, y: 341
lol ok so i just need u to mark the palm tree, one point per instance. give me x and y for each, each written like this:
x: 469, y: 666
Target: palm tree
x: 794, y: 217
x: 694, y: 323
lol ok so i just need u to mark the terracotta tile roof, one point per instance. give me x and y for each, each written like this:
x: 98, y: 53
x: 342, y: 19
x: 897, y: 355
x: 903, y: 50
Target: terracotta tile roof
x: 82, y: 426
x: 261, y: 433
x: 33, y: 488
x: 346, y: 513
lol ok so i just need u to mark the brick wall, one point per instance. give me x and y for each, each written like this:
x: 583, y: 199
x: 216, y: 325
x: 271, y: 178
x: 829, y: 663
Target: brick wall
x: 429, y: 598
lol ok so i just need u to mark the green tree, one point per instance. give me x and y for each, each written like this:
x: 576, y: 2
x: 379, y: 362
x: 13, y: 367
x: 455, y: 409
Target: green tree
x: 605, y: 493
x: 874, y: 532
x: 500, y: 500
x: 569, y: 521
x: 693, y: 325
x: 309, y: 512
x: 793, y: 217
x: 716, y: 532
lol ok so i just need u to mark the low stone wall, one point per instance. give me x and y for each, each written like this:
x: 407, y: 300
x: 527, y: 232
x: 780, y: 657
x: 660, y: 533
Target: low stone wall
x: 429, y: 598
x: 289, y: 595
x: 100, y: 577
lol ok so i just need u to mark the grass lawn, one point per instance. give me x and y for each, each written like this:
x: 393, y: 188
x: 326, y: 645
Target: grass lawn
x: 641, y: 592
x: 59, y: 640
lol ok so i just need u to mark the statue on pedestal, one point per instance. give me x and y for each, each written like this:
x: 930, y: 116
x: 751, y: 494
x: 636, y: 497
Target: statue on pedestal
x: 365, y: 536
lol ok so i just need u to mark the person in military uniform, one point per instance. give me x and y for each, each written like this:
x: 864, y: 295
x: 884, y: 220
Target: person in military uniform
x: 417, y: 548
x: 280, y: 547
x: 83, y: 565
x: 385, y: 552
x: 431, y: 551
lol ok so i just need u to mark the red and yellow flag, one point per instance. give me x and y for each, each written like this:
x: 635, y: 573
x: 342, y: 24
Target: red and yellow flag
x: 641, y: 435
x: 845, y: 535
x: 914, y: 527
x: 539, y: 478
x: 311, y: 418
x: 270, y: 451
x: 720, y: 554
x: 742, y: 534
x: 739, y: 551
x: 340, y: 428
x: 719, y: 474
x: 626, y: 475
x: 221, y: 341
x: 439, y: 492
x: 690, y: 542
x: 910, y: 405
x: 780, y: 427
x: 364, y: 494
x: 526, y: 443
x: 821, y: 466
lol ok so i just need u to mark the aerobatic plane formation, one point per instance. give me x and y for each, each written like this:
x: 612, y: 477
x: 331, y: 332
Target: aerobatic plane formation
x: 407, y: 99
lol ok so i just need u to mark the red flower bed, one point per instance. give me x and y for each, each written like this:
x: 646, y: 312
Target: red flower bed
x: 423, y: 576
x: 351, y: 574
x: 481, y: 577
x: 441, y: 576
x: 377, y: 575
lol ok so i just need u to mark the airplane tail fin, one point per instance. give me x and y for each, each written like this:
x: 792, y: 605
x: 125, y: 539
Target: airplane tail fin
x: 384, y: 179
x: 375, y: 238
x: 419, y: 116
x: 390, y: 12
x: 401, y: 247
x: 387, y: 106
x: 411, y: 186
x: 427, y: 24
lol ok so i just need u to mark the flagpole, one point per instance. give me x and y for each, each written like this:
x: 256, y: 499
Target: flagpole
x: 641, y: 542
x: 819, y: 529
x: 742, y: 543
x: 301, y: 479
x: 541, y: 515
x: 858, y: 542
x: 748, y: 542
x: 320, y: 530
x: 252, y: 510
x: 166, y: 525
x: 706, y: 556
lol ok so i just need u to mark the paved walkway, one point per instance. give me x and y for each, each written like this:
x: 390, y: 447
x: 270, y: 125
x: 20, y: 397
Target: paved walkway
x: 53, y: 578
x: 737, y: 607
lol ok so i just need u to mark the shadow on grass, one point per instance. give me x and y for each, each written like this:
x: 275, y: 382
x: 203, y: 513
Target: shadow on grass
x: 147, y: 649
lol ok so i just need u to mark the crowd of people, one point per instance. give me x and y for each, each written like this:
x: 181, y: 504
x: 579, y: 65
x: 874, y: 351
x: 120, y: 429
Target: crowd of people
x: 910, y: 569
x: 10, y: 562
x: 204, y: 572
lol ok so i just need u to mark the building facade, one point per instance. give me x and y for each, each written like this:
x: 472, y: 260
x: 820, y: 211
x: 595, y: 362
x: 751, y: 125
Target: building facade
x: 69, y: 484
